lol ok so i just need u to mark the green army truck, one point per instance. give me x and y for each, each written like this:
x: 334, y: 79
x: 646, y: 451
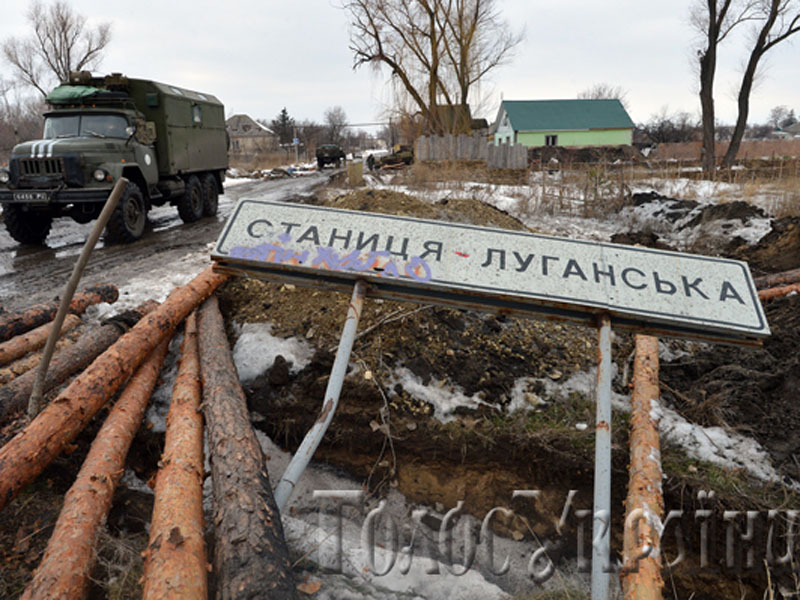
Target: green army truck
x: 169, y: 142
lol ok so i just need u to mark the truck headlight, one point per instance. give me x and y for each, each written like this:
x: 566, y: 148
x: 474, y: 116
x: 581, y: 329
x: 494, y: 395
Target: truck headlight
x: 5, y: 177
x: 99, y: 174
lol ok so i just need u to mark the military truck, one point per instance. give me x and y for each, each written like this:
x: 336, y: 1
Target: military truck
x: 169, y: 142
x: 329, y: 154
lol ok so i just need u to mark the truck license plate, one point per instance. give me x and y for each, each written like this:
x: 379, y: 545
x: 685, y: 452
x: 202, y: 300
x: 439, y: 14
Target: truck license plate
x: 30, y: 196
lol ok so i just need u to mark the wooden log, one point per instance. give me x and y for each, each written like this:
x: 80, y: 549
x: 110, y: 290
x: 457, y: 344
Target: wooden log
x: 778, y: 292
x: 778, y: 279
x: 175, y: 559
x: 19, y: 346
x: 70, y: 554
x: 31, y: 450
x: 14, y: 396
x: 251, y: 559
x: 32, y: 359
x: 15, y: 323
x: 644, y: 508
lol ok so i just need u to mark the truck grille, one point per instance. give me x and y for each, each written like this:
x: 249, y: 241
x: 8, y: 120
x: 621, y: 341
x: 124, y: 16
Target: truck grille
x: 38, y: 167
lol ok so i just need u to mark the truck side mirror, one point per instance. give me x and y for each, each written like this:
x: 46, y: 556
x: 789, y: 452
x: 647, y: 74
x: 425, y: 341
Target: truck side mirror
x: 145, y: 132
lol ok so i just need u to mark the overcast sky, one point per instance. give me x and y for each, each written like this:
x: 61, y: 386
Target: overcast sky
x: 259, y: 56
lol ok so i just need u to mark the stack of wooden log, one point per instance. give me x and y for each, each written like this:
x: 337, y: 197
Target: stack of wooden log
x: 251, y: 558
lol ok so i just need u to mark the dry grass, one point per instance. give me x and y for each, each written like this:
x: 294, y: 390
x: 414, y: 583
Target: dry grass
x: 259, y: 162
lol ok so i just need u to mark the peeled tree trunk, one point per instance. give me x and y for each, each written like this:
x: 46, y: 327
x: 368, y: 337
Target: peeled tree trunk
x: 15, y: 323
x: 175, y: 559
x: 32, y: 359
x: 644, y: 508
x: 70, y: 554
x: 31, y: 450
x: 778, y: 292
x: 19, y: 346
x: 778, y: 279
x: 14, y: 396
x: 251, y: 559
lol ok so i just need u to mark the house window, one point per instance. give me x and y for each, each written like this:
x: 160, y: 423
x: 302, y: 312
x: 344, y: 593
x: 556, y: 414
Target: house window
x: 235, y: 145
x: 551, y: 140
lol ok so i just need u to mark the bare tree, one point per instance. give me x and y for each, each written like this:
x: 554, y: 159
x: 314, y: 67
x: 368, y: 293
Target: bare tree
x: 779, y: 20
x: 335, y: 123
x: 436, y: 50
x: 663, y: 128
x: 605, y: 91
x: 61, y: 43
x: 714, y: 20
x: 781, y: 116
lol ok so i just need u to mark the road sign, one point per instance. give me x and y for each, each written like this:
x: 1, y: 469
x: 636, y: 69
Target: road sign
x: 511, y: 272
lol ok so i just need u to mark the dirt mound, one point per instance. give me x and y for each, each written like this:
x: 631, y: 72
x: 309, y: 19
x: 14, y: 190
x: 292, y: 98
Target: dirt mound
x: 608, y: 154
x: 777, y: 251
x: 640, y: 238
x: 737, y: 210
x: 753, y: 390
x: 455, y: 210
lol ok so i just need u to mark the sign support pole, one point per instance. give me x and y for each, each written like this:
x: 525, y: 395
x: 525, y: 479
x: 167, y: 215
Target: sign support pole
x: 601, y: 570
x: 314, y: 436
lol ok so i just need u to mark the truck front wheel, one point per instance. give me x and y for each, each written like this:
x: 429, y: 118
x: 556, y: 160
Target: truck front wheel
x: 128, y: 220
x: 27, y: 227
x: 210, y: 196
x: 190, y: 206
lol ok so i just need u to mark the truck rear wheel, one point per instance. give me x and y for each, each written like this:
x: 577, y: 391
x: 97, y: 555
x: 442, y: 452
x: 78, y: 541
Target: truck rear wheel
x: 190, y: 206
x: 25, y: 226
x: 129, y: 218
x: 210, y: 196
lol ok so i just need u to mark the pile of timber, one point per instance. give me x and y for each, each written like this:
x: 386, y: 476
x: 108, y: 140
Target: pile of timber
x: 251, y: 558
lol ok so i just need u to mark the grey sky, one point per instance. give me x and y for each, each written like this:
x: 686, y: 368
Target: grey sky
x: 258, y: 57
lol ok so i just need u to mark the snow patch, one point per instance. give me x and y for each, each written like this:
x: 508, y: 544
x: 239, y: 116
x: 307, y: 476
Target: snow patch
x: 256, y: 349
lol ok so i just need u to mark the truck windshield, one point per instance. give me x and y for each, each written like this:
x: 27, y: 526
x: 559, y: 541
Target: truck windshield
x: 59, y: 126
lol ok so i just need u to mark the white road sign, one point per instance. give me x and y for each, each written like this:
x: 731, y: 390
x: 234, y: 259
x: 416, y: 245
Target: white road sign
x: 503, y: 271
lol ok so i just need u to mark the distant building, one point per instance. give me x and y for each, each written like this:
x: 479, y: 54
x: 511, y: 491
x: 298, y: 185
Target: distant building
x: 249, y: 137
x: 563, y: 123
x: 793, y: 130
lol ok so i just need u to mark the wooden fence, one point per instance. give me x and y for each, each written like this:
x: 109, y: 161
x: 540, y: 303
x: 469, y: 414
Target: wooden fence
x: 471, y: 148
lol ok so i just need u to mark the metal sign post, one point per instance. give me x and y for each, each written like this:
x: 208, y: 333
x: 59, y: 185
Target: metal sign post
x: 314, y: 436
x: 601, y: 570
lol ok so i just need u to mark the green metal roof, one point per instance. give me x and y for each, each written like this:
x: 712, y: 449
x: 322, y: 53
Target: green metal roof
x: 566, y: 115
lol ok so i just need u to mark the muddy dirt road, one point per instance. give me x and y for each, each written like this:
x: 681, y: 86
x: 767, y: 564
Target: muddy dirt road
x: 31, y: 274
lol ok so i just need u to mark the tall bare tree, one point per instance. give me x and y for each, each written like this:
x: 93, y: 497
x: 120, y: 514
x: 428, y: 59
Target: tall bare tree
x: 335, y: 123
x: 779, y: 20
x: 605, y: 91
x: 61, y: 42
x: 714, y: 20
x: 436, y: 50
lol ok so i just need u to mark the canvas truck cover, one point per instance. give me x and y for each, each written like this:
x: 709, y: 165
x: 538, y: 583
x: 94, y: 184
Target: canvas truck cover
x: 190, y: 126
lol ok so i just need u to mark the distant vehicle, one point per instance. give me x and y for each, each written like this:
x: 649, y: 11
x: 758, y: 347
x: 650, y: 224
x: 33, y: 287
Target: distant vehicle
x: 401, y: 155
x: 169, y: 142
x: 330, y: 154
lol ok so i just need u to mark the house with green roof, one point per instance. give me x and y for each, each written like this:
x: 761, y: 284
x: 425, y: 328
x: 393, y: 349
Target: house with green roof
x: 563, y: 123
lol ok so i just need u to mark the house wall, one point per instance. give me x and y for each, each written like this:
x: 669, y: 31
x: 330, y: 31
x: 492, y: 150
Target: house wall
x: 602, y: 137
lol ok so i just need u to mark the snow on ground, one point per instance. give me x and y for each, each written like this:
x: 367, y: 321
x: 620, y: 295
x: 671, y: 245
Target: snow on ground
x: 256, y: 349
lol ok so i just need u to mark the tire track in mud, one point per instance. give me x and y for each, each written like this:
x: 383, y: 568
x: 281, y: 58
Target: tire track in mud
x: 34, y: 274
